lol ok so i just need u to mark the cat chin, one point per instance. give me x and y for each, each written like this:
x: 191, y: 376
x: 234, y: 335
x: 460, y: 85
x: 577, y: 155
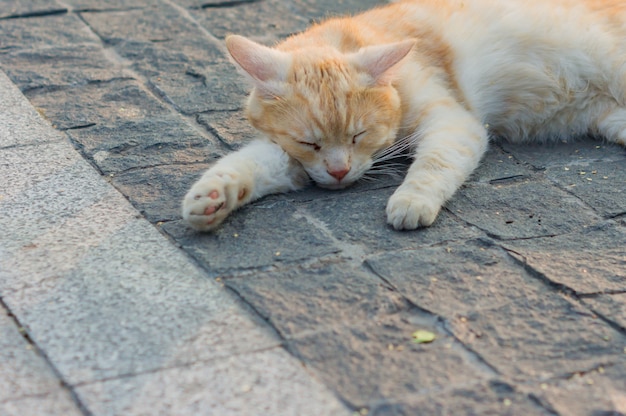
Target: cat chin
x: 334, y: 186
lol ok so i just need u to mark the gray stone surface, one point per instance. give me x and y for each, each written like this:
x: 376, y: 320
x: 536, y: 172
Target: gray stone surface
x: 501, y: 312
x: 244, y: 384
x: 105, y: 297
x: 521, y: 209
x: 17, y: 8
x: 303, y: 303
x: 590, y: 261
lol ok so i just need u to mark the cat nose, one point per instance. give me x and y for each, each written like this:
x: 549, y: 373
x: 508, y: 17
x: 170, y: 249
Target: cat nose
x: 338, y: 174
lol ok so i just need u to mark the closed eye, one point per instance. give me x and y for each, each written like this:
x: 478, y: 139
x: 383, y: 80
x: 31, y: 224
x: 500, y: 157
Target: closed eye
x: 358, y: 136
x: 314, y: 146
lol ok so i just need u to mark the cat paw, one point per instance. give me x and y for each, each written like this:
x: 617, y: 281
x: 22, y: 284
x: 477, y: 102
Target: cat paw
x: 408, y: 210
x: 211, y: 199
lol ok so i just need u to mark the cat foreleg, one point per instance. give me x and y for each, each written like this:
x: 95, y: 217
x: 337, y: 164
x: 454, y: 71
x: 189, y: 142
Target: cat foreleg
x: 612, y: 125
x: 450, y: 148
x: 258, y: 169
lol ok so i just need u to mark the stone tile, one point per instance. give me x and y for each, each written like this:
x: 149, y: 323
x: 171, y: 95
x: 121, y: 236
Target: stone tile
x: 263, y: 383
x: 300, y: 300
x: 92, y: 5
x: 377, y: 360
x: 24, y: 372
x: 359, y: 218
x: 124, y: 302
x: 231, y: 127
x: 315, y: 10
x: 287, y: 238
x: 600, y: 184
x: 108, y: 103
x: 46, y: 31
x: 19, y: 122
x: 57, y: 403
x: 521, y: 209
x: 145, y: 143
x: 195, y: 89
x: 498, y: 167
x: 612, y: 307
x: 576, y: 153
x: 253, y: 19
x: 514, y: 322
x: 58, y: 67
x: 601, y: 391
x: 591, y: 261
x: 18, y: 8
x: 491, y: 398
x: 157, y: 192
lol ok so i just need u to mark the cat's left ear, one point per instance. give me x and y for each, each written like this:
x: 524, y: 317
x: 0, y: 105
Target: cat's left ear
x: 378, y: 60
x: 267, y: 68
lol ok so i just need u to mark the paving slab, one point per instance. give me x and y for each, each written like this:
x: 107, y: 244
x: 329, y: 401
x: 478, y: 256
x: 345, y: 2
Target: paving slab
x: 302, y: 303
x: 524, y: 209
x: 501, y: 312
x: 106, y: 297
x: 587, y: 262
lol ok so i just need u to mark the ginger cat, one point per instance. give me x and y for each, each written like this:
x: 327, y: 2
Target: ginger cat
x: 435, y: 76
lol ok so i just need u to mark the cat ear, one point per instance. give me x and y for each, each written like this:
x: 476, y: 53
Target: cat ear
x: 377, y: 60
x: 266, y: 67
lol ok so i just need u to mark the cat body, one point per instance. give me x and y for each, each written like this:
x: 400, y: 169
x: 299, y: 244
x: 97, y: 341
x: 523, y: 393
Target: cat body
x: 436, y: 76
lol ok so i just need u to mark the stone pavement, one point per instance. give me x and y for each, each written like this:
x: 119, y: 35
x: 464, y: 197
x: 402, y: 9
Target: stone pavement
x: 301, y: 304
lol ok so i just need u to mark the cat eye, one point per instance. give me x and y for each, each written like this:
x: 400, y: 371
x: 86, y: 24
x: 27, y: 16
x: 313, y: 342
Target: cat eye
x: 315, y: 146
x: 356, y: 137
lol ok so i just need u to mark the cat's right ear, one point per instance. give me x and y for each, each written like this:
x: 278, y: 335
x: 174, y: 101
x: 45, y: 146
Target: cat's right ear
x: 267, y: 68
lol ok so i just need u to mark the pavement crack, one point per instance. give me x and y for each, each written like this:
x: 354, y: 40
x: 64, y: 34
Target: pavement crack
x: 41, y: 13
x: 225, y: 4
x: 23, y: 330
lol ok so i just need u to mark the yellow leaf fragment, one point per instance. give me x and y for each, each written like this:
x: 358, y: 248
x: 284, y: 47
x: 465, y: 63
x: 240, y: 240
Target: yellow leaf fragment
x: 422, y: 337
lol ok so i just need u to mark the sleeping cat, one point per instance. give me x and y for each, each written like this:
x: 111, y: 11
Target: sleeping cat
x: 435, y: 76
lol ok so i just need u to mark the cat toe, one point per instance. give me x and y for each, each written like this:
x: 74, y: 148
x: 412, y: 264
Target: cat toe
x: 407, y: 211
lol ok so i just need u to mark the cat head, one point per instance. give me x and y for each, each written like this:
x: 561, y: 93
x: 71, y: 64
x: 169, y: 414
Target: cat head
x: 328, y: 110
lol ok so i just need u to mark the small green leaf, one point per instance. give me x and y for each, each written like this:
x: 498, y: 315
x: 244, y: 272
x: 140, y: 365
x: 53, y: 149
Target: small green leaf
x: 422, y: 337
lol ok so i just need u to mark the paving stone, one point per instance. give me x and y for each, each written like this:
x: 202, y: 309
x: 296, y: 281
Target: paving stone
x: 148, y: 24
x: 57, y: 403
x: 162, y: 313
x: 612, y: 307
x: 598, y: 392
x: 315, y: 10
x: 57, y: 67
x: 591, y: 261
x: 18, y: 119
x: 215, y: 87
x: 359, y: 218
x: 492, y: 398
x: 264, y: 383
x: 157, y: 192
x: 100, y: 103
x: 91, y: 5
x: 521, y: 209
x: 497, y: 167
x: 300, y: 300
x: 46, y: 31
x: 576, y: 153
x: 377, y: 360
x: 287, y: 238
x: 19, y: 8
x: 499, y: 311
x: 600, y: 184
x: 146, y: 143
x: 231, y: 127
x: 264, y: 20
x: 24, y: 372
